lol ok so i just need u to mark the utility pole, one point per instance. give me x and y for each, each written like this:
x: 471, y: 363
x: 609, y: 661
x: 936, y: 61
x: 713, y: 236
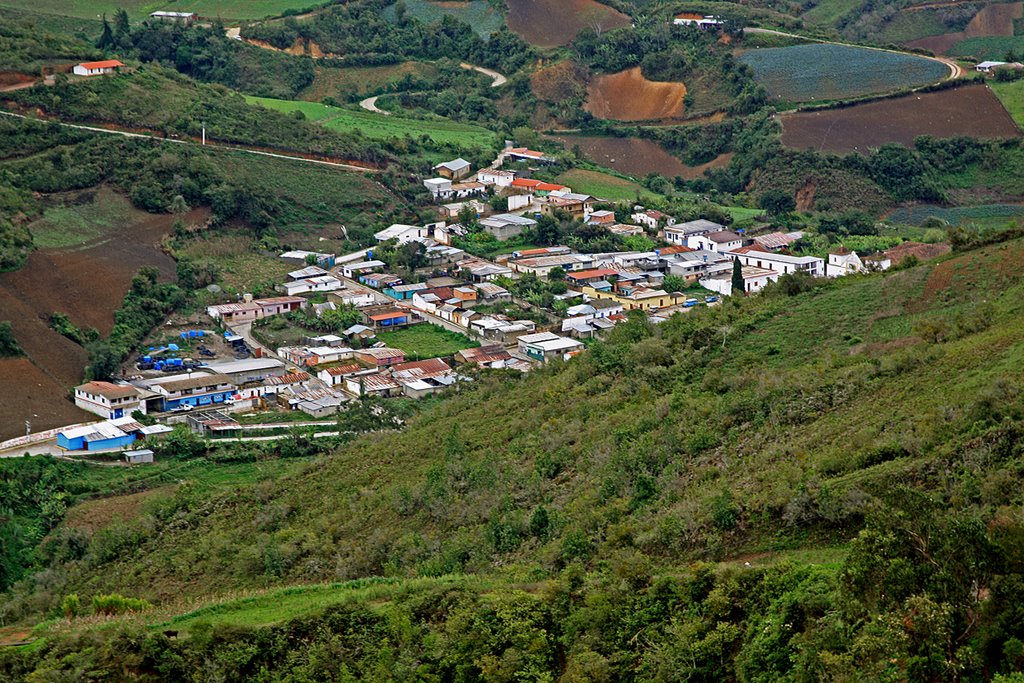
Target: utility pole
x: 204, y: 131
x: 28, y: 427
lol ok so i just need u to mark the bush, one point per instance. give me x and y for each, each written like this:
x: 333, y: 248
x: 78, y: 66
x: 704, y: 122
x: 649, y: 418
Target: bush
x: 9, y: 347
x: 117, y: 604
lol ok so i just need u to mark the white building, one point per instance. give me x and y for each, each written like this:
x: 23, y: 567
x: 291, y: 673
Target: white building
x: 754, y: 280
x: 402, y: 233
x: 107, y: 66
x: 842, y: 262
x: 496, y: 177
x: 108, y: 400
x: 719, y: 242
x: 652, y: 218
x: 679, y: 233
x: 780, y: 263
x: 321, y: 283
x: 505, y: 225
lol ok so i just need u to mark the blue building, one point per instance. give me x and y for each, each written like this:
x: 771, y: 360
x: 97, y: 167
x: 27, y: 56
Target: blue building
x: 404, y: 292
x: 97, y: 437
x: 198, y: 390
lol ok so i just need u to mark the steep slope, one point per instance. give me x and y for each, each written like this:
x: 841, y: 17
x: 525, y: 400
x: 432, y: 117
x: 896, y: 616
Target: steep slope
x: 882, y: 410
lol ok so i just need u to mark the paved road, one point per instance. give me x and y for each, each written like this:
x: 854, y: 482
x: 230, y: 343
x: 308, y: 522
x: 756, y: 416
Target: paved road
x: 497, y: 78
x: 244, y: 330
x: 954, y: 69
x: 217, y: 145
x: 370, y: 104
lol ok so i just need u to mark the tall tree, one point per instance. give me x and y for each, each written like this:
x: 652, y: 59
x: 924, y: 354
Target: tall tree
x: 737, y: 278
x: 106, y: 38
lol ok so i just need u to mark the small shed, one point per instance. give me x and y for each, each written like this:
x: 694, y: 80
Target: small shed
x: 138, y: 457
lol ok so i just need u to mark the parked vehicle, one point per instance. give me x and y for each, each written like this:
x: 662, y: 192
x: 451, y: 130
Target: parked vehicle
x: 690, y: 303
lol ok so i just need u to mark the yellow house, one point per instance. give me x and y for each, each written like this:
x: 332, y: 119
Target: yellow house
x: 641, y: 298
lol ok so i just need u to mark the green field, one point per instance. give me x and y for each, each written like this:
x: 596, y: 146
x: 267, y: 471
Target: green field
x: 479, y: 14
x: 986, y: 215
x: 138, y: 9
x: 988, y: 47
x: 360, y: 81
x: 1012, y: 97
x: 828, y: 12
x: 604, y: 185
x: 806, y: 73
x: 77, y: 224
x: 426, y: 341
x: 378, y: 126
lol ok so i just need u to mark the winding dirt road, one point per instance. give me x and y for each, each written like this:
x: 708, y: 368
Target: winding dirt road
x: 370, y: 104
x: 497, y: 78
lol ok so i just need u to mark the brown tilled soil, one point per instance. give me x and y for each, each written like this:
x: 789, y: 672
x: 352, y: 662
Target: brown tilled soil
x: 971, y: 110
x: 628, y: 96
x: 637, y: 156
x: 992, y: 20
x: 87, y: 283
x: 550, y: 23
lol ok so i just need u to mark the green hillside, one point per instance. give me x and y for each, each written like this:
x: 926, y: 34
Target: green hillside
x: 803, y: 484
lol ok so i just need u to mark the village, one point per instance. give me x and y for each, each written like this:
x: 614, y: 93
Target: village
x: 513, y: 312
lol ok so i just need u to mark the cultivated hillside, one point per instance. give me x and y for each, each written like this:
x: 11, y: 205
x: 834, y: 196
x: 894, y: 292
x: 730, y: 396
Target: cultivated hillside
x: 805, y: 484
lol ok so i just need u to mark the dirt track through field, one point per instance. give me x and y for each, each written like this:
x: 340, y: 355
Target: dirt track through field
x: 551, y: 23
x: 971, y: 110
x: 992, y: 20
x: 87, y: 283
x: 628, y: 96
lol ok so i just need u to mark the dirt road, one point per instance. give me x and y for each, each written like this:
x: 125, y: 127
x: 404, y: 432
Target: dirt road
x: 497, y: 78
x: 370, y: 104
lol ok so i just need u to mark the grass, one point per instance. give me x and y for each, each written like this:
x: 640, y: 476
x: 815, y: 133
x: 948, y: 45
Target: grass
x: 139, y: 9
x: 377, y: 126
x: 426, y: 341
x: 360, y: 81
x: 1012, y: 97
x: 479, y: 14
x: 988, y: 47
x: 242, y: 269
x: 982, y: 216
x: 828, y: 12
x: 604, y: 185
x: 805, y: 73
x: 77, y: 224
x: 1005, y: 176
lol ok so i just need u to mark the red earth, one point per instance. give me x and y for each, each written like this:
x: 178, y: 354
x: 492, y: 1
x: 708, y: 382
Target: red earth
x: 551, y: 23
x: 971, y: 110
x: 992, y: 20
x: 628, y: 96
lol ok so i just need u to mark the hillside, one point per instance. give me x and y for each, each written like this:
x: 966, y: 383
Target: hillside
x: 800, y: 485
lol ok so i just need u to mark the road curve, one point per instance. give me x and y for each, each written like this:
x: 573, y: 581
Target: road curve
x: 497, y: 78
x: 370, y: 104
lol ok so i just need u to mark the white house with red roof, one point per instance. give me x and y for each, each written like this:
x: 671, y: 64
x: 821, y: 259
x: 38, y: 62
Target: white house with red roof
x: 109, y: 400
x: 106, y: 66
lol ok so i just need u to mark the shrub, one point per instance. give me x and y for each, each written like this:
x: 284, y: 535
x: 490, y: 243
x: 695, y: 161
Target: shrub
x: 117, y: 604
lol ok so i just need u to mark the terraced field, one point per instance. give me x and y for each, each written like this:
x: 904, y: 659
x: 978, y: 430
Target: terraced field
x: 479, y: 14
x: 551, y: 23
x: 822, y: 71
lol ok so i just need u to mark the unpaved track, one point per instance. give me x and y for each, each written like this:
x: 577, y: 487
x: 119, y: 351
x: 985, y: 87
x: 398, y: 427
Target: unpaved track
x: 497, y: 78
x: 370, y: 104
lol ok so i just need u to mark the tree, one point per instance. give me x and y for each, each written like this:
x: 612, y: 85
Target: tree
x: 776, y: 202
x: 178, y: 205
x: 106, y: 38
x: 673, y: 283
x: 737, y: 278
x: 8, y: 344
x: 556, y: 274
x: 103, y: 361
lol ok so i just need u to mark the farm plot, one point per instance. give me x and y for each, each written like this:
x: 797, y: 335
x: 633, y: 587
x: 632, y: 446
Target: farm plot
x: 442, y: 131
x: 551, y: 23
x: 1012, y: 97
x: 994, y: 20
x: 628, y: 96
x: 357, y: 82
x: 637, y: 156
x: 971, y: 111
x: 137, y: 9
x: 603, y: 185
x: 479, y: 14
x: 806, y: 73
x: 426, y: 341
x: 985, y: 215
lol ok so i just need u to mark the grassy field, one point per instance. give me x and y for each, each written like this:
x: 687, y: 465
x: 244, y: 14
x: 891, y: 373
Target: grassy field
x: 988, y: 47
x: 138, y: 9
x: 828, y: 12
x: 377, y: 126
x: 604, y: 185
x: 426, y: 341
x: 479, y: 14
x: 360, y: 81
x: 73, y: 225
x: 1012, y: 97
x: 983, y: 216
x: 242, y: 268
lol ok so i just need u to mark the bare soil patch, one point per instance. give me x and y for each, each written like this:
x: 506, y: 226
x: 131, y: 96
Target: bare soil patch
x: 992, y: 20
x: 972, y: 111
x: 628, y: 96
x: 551, y: 23
x: 93, y: 515
x: 638, y: 157
x: 28, y: 393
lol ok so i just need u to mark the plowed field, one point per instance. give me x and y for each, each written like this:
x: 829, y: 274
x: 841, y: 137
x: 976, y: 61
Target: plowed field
x: 971, y: 110
x: 638, y: 157
x: 550, y: 23
x: 628, y: 96
x: 992, y: 20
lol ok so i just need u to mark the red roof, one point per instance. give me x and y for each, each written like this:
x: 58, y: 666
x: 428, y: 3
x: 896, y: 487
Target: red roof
x: 108, y: 389
x: 388, y: 316
x: 676, y: 249
x: 589, y: 274
x: 539, y: 185
x: 524, y: 152
x: 105, y: 64
x: 422, y: 368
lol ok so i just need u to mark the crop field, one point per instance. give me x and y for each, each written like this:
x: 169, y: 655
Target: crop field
x: 551, y: 23
x: 828, y: 12
x: 1012, y: 97
x: 138, y: 9
x: 378, y: 126
x: 603, y: 185
x: 85, y: 220
x: 994, y: 21
x: 988, y: 47
x: 242, y: 268
x: 628, y: 96
x: 971, y: 110
x: 426, y: 341
x: 637, y: 156
x: 360, y: 81
x: 27, y: 393
x: 806, y: 73
x: 986, y: 215
x: 479, y: 14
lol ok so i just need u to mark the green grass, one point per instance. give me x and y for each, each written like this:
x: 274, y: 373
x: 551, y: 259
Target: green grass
x: 360, y: 81
x: 604, y: 185
x: 1006, y: 175
x: 76, y: 225
x: 908, y: 26
x: 139, y: 9
x: 988, y: 47
x: 426, y: 341
x: 982, y: 216
x: 1012, y: 97
x: 479, y: 14
x: 377, y: 126
x: 828, y: 12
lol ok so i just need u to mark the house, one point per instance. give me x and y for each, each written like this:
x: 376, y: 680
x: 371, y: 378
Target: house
x: 718, y: 242
x: 322, y: 283
x: 354, y: 270
x: 281, y: 383
x: 602, y: 217
x: 338, y: 374
x: 242, y: 312
x: 633, y: 297
x: 109, y: 400
x: 694, y: 265
x: 332, y: 340
x: 774, y: 241
x: 278, y: 305
x: 501, y: 328
x: 597, y: 308
x: 440, y: 188
x: 380, y: 280
x: 541, y: 266
x: 454, y: 170
x: 421, y: 388
x: 481, y: 270
x: 524, y: 154
x: 445, y: 234
x: 420, y: 369
x: 143, y: 456
x: 320, y: 309
x: 402, y: 234
x: 681, y: 232
x: 703, y: 22
x: 546, y: 346
x: 577, y: 205
x: 467, y: 189
x: 989, y: 67
x: 918, y: 250
x: 536, y: 187
x: 387, y: 319
x: 782, y: 264
x: 652, y: 218
x: 107, y: 66
x: 380, y: 357
x: 404, y: 292
x: 624, y: 229
x: 589, y: 276
x: 248, y: 369
x: 496, y: 177
x: 505, y: 225
x: 490, y: 292
x: 313, y: 402
x: 102, y: 436
x: 372, y: 385
x: 175, y: 17
x: 450, y: 211
x: 307, y: 272
x: 441, y: 255
x: 843, y: 261
x: 321, y: 259
x: 359, y: 332
x: 193, y: 390
x: 754, y: 280
x: 484, y: 356
x: 309, y: 356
